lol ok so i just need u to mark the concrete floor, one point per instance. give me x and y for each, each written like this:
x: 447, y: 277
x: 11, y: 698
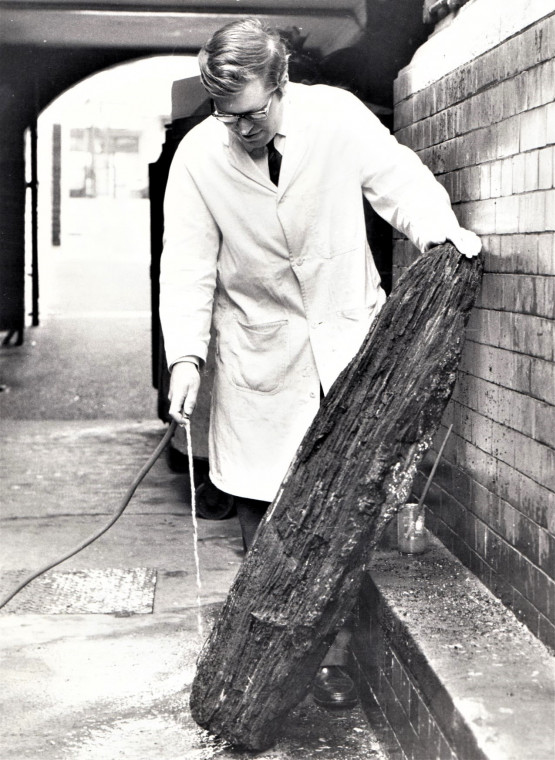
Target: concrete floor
x: 78, y: 422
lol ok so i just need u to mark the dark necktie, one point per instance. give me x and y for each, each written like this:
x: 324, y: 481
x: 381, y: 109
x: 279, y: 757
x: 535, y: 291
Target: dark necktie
x: 274, y: 162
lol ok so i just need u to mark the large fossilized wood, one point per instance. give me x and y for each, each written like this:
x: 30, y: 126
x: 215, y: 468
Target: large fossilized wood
x: 352, y: 471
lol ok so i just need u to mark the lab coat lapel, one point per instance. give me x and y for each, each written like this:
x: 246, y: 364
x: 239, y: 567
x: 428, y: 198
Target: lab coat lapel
x: 240, y: 159
x: 296, y: 142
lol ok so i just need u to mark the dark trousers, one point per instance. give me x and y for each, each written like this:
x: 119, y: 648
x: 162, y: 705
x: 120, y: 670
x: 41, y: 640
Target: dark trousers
x: 250, y: 513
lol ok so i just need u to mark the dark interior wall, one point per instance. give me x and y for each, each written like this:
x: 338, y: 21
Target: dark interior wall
x: 33, y: 77
x: 393, y: 33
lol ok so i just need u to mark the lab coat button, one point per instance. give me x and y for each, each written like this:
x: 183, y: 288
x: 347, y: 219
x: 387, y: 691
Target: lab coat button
x: 312, y: 394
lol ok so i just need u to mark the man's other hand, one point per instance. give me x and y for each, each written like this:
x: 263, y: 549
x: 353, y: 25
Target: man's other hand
x: 184, y: 386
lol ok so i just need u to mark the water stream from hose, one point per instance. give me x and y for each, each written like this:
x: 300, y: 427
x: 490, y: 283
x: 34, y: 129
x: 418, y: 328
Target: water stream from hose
x: 187, y: 427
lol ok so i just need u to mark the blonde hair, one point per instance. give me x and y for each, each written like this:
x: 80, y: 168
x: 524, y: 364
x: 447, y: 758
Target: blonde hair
x: 240, y: 52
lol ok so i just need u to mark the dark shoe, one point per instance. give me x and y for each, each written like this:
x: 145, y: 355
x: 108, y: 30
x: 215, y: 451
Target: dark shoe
x: 334, y: 689
x: 213, y: 504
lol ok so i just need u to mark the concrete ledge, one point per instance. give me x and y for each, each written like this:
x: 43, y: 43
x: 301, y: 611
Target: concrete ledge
x: 446, y: 668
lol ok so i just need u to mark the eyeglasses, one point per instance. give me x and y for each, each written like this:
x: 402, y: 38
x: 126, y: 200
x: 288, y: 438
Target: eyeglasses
x: 233, y: 118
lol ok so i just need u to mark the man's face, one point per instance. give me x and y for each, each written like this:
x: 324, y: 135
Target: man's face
x: 253, y: 97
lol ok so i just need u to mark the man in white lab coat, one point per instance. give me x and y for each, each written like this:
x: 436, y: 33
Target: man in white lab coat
x: 282, y: 272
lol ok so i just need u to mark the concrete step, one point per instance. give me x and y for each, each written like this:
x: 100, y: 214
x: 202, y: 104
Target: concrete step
x: 445, y: 669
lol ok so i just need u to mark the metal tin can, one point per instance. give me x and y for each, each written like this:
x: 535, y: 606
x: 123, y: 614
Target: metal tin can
x: 412, y: 536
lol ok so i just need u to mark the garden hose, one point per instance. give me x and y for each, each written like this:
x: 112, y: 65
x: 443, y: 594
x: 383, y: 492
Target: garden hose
x: 121, y: 509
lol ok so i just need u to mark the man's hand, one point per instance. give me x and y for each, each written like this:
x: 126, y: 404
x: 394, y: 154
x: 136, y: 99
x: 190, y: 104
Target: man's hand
x: 467, y: 242
x: 184, y: 385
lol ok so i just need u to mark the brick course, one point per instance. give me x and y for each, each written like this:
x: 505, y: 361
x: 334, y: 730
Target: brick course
x: 487, y: 130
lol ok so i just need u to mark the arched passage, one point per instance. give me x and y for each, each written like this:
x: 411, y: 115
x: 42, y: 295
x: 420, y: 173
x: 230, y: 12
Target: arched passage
x: 97, y: 140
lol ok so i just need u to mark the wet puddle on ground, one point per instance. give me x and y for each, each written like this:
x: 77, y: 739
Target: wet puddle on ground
x: 308, y: 733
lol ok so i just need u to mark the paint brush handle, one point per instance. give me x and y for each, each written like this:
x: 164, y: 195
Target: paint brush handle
x: 434, y: 468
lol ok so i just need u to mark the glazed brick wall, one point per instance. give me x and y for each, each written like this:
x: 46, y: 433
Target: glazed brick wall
x: 487, y: 131
x: 391, y: 695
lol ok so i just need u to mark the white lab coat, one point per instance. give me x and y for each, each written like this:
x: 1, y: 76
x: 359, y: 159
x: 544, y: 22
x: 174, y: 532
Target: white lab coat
x: 284, y: 275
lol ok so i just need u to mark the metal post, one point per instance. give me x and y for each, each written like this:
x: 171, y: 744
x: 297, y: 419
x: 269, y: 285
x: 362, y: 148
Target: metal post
x: 56, y: 184
x: 34, y: 186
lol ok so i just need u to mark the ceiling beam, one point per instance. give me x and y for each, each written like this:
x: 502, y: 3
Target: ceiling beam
x: 328, y: 26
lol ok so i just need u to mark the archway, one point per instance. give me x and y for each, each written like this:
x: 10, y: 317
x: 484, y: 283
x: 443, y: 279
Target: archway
x: 95, y: 143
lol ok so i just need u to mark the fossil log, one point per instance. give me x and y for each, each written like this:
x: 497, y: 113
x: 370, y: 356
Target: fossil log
x: 353, y: 470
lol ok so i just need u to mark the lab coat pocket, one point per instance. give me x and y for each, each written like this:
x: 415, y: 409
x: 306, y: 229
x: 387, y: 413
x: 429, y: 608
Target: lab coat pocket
x: 255, y: 358
x: 369, y: 311
x: 360, y: 314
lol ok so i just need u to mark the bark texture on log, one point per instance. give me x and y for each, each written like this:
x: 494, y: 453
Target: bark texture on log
x: 353, y: 470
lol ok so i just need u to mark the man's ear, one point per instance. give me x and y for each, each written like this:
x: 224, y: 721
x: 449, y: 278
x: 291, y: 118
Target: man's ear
x: 283, y: 83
